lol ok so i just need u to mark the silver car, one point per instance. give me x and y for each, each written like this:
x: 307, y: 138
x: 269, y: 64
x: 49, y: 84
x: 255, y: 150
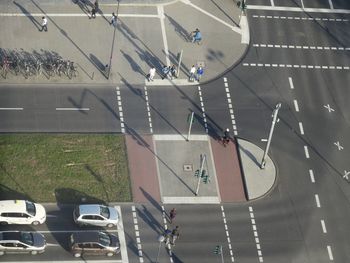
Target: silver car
x: 21, y: 242
x: 96, y: 215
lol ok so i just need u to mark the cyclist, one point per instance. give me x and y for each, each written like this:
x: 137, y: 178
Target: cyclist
x: 196, y: 36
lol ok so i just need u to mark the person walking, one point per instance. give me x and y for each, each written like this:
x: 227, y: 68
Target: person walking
x: 167, y: 235
x: 175, y: 235
x: 192, y: 73
x: 151, y: 74
x: 113, y: 20
x: 196, y: 36
x: 173, y: 72
x: 172, y: 215
x: 165, y: 71
x: 43, y: 24
x: 199, y: 73
x: 93, y: 12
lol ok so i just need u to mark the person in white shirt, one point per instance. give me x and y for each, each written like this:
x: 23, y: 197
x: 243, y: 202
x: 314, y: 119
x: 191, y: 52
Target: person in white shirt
x: 43, y: 24
x: 151, y: 74
x: 192, y: 73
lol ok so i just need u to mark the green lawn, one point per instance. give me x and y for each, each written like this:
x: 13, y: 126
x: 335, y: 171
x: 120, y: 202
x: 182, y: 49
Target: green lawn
x: 64, y: 168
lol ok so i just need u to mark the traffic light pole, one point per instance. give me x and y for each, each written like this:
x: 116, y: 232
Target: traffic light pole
x: 274, y: 120
x: 200, y: 173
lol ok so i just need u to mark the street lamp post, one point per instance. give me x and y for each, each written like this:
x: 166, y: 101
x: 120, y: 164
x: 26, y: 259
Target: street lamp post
x: 274, y: 120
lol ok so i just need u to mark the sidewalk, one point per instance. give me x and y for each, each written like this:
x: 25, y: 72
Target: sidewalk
x: 152, y: 34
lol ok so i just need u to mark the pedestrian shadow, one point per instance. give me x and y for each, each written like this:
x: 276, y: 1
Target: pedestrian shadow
x: 31, y: 18
x: 182, y: 32
x: 224, y: 12
x: 99, y: 65
x: 150, y: 220
x: 84, y: 6
x: 135, y: 67
x: 150, y: 60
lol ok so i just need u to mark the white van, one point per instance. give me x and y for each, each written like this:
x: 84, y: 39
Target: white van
x: 21, y: 212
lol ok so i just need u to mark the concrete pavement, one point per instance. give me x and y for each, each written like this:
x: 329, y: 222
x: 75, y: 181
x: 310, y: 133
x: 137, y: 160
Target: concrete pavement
x: 152, y: 34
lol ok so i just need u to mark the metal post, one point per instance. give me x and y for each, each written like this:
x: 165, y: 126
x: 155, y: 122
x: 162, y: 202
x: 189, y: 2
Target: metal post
x: 179, y: 64
x: 190, y: 127
x: 222, y: 256
x: 161, y: 239
x: 200, y: 172
x: 274, y: 119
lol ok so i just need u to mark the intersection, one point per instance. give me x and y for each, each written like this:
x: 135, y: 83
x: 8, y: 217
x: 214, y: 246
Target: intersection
x: 298, y: 56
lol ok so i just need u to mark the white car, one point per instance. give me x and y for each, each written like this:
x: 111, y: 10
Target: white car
x: 96, y: 215
x: 21, y: 212
x: 21, y: 242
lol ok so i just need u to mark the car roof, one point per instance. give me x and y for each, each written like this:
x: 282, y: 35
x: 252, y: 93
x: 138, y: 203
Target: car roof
x: 10, y: 235
x: 12, y: 206
x: 89, y: 209
x: 86, y: 236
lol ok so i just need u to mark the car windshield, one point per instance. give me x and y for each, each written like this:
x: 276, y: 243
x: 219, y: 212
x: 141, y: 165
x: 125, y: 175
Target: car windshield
x: 27, y: 238
x: 30, y: 208
x: 104, y: 211
x: 104, y: 238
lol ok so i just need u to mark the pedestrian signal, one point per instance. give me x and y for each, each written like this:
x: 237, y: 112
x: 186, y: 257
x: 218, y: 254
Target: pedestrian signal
x: 217, y: 250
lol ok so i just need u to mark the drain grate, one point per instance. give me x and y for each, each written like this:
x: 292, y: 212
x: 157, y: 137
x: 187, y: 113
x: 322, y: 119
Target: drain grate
x: 188, y: 167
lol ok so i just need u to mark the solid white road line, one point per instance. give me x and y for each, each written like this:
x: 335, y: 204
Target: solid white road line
x: 121, y: 236
x: 73, y: 15
x: 330, y: 254
x: 301, y: 128
x: 291, y: 83
x: 324, y: 229
x: 11, y: 108
x: 296, y: 106
x: 298, y: 9
x: 73, y: 109
x: 317, y: 199
x: 71, y: 231
x: 306, y: 150
x: 312, y: 177
x: 71, y: 261
x: 160, y: 10
x: 272, y: 3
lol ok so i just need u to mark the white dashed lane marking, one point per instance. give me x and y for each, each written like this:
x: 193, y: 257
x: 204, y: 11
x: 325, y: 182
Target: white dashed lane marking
x: 227, y: 233
x: 256, y: 236
x: 268, y: 65
x: 301, y: 128
x: 203, y: 109
x: 120, y: 110
x: 302, y: 18
x: 296, y: 106
x: 330, y: 254
x: 317, y: 199
x: 306, y: 150
x: 323, y: 224
x: 229, y: 102
x: 302, y: 47
x: 137, y: 234
x: 312, y: 177
x: 148, y: 111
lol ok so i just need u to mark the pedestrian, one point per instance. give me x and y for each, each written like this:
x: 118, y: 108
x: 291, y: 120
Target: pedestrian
x: 200, y: 72
x: 172, y: 215
x: 113, y: 20
x: 43, y: 24
x: 175, y: 234
x: 96, y: 5
x: 151, y: 74
x: 196, y: 36
x: 173, y: 72
x: 167, y: 234
x: 93, y: 12
x: 226, y: 138
x: 165, y: 71
x: 192, y: 73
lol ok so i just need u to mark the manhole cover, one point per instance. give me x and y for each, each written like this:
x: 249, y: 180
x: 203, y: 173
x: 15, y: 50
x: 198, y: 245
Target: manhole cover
x: 188, y: 168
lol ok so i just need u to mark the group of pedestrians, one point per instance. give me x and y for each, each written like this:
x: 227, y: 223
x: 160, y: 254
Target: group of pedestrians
x: 170, y: 72
x: 196, y: 73
x: 170, y: 236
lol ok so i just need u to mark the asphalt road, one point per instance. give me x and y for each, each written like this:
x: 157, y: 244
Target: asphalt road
x: 304, y: 218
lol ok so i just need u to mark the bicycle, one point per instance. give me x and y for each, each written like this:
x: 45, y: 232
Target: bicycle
x: 196, y: 37
x: 5, y: 67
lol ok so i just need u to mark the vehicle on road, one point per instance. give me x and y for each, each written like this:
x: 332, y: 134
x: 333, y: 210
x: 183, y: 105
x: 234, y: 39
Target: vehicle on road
x: 21, y: 212
x: 96, y: 215
x: 21, y: 242
x: 94, y: 243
